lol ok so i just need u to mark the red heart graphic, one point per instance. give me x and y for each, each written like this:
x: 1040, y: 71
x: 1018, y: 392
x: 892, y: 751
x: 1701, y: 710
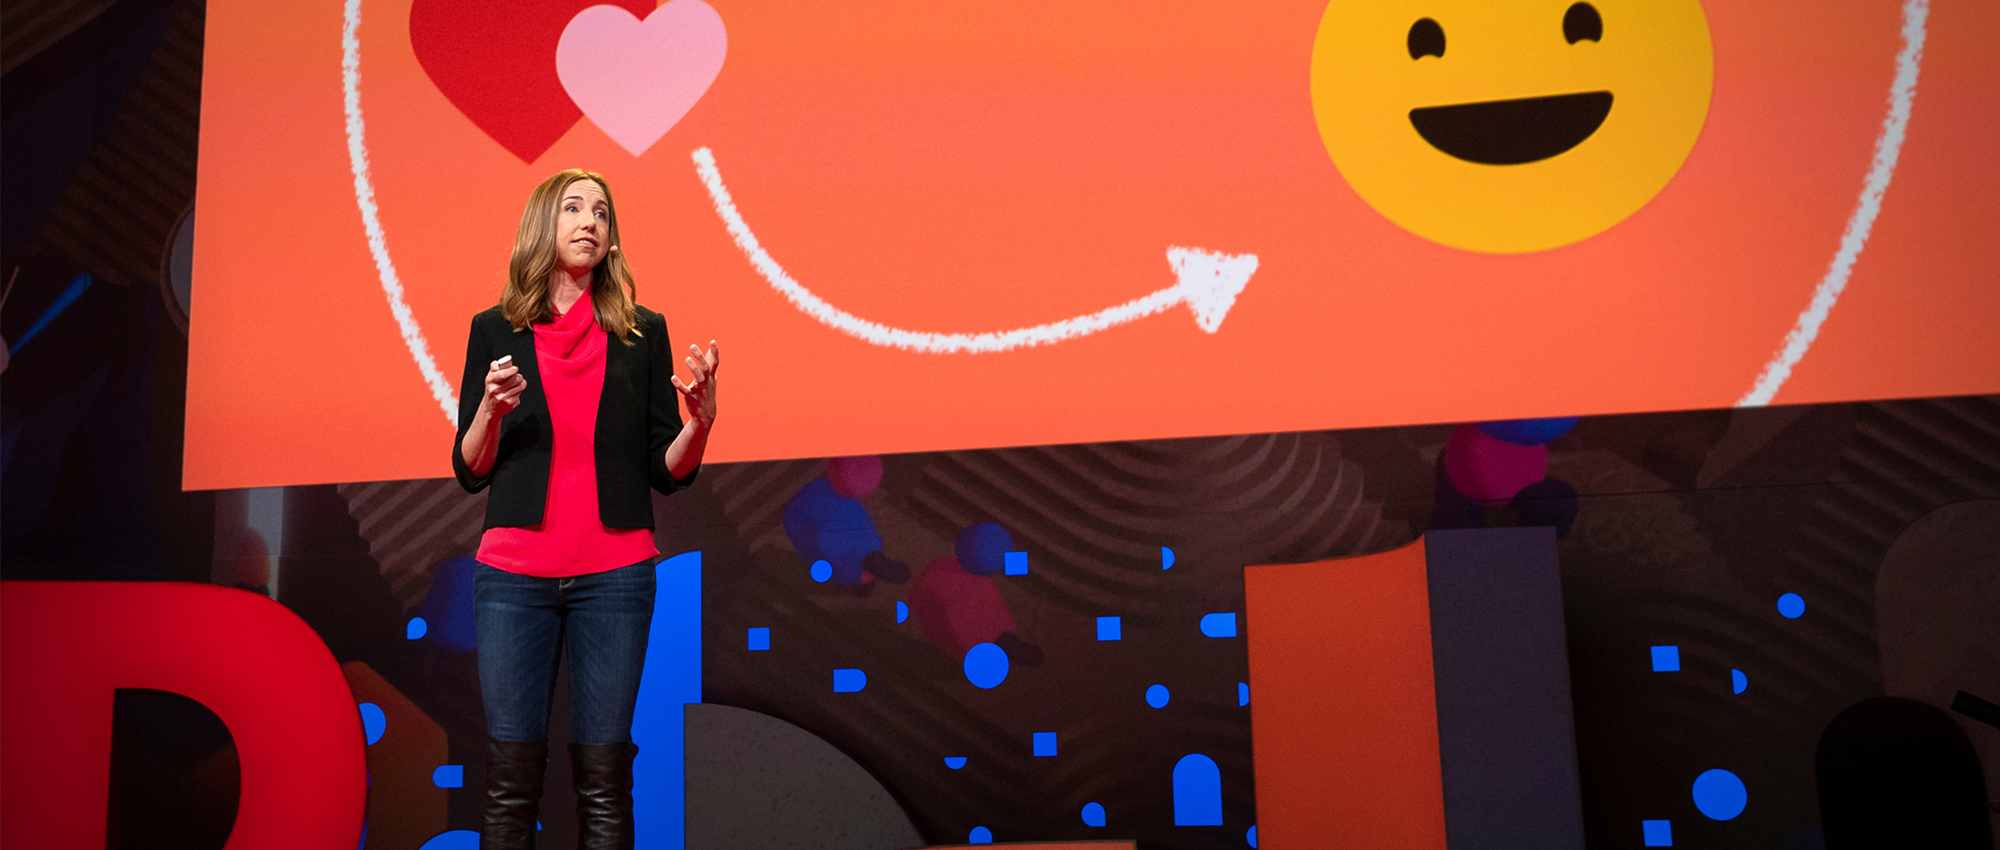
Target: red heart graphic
x: 496, y: 61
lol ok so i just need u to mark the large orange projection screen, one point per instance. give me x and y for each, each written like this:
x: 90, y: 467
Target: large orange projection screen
x: 919, y: 225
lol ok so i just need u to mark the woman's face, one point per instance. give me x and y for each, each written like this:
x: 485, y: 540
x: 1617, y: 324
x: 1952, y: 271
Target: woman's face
x: 583, y: 226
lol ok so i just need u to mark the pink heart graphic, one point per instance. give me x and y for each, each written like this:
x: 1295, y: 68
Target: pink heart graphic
x: 635, y: 79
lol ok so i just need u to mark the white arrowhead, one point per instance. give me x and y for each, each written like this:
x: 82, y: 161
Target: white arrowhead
x: 1210, y: 282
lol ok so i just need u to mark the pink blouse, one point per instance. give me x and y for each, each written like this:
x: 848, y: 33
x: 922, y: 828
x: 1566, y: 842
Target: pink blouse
x: 571, y: 539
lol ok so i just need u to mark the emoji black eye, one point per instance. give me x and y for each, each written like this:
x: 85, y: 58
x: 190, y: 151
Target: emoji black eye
x: 1427, y: 38
x: 1579, y: 23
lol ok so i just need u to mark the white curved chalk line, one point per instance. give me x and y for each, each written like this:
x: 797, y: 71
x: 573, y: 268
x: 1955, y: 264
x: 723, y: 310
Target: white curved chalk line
x: 1887, y: 147
x: 364, y: 197
x: 1208, y: 283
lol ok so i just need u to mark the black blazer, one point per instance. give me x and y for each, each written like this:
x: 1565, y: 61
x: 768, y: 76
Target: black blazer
x: 638, y: 416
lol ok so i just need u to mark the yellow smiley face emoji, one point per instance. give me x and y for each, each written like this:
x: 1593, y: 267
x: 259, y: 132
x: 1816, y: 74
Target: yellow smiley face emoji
x: 1510, y: 125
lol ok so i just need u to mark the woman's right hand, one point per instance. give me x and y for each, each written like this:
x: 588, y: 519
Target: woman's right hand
x: 504, y: 385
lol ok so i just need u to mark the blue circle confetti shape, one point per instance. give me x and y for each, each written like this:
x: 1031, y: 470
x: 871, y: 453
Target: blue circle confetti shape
x: 822, y: 570
x: 980, y: 835
x: 1251, y: 836
x: 1157, y: 696
x: 986, y: 665
x: 1093, y: 814
x: 373, y: 721
x: 456, y: 839
x: 416, y: 628
x: 1737, y: 681
x: 982, y: 548
x: 902, y: 610
x: 1719, y: 794
x: 1792, y: 605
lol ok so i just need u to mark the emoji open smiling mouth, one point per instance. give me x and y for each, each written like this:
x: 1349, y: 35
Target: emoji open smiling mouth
x: 1512, y: 132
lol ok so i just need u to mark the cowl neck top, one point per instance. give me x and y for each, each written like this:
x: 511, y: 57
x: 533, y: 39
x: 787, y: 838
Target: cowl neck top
x: 572, y: 539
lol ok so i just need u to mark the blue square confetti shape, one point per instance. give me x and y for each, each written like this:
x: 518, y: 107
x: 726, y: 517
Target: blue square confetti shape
x: 1666, y: 659
x: 1659, y: 833
x: 760, y: 638
x: 1015, y: 563
x: 1110, y: 628
x: 1045, y: 744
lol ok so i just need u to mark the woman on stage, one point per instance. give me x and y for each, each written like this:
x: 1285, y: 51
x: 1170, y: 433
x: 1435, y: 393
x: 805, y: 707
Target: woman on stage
x: 569, y: 411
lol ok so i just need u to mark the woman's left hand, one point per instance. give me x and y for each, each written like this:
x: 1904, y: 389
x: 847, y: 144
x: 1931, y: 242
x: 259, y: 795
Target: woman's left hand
x: 700, y: 391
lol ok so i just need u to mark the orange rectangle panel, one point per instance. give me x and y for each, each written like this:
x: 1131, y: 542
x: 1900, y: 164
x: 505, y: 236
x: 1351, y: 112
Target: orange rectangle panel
x: 1344, y: 717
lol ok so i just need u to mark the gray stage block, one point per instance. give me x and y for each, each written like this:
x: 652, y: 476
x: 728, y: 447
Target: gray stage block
x: 755, y: 782
x: 1506, y: 735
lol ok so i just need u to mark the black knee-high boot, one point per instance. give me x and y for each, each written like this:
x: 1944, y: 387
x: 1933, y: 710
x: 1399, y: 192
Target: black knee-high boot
x: 513, y: 794
x: 603, y: 775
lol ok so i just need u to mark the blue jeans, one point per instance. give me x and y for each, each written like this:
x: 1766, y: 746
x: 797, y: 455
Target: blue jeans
x: 525, y: 623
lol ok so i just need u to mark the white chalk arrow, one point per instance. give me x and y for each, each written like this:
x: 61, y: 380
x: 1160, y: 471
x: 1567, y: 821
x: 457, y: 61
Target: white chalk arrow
x: 1208, y: 283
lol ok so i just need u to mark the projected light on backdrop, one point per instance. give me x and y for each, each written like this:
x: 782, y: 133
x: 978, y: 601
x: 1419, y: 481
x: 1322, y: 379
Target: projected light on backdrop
x: 918, y: 226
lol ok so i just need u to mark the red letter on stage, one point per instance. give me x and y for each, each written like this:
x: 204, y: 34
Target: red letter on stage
x: 65, y: 646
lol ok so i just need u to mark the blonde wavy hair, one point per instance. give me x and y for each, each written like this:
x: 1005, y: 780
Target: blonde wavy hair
x: 525, y: 298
